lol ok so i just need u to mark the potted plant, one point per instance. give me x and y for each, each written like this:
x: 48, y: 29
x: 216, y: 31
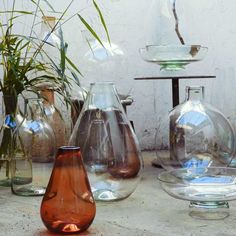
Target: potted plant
x: 25, y: 65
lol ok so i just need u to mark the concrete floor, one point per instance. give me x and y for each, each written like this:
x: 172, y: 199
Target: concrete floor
x: 147, y: 212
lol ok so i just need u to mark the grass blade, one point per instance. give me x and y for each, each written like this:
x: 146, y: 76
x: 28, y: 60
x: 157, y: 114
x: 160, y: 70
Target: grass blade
x: 90, y: 29
x: 102, y: 20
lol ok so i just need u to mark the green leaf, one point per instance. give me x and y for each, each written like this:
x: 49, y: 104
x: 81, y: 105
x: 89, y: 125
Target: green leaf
x: 18, y: 11
x: 90, y: 29
x: 102, y: 20
x: 73, y: 65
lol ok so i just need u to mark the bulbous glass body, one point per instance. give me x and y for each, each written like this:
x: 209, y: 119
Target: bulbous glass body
x: 200, y: 135
x: 108, y: 144
x: 68, y: 205
x: 30, y: 175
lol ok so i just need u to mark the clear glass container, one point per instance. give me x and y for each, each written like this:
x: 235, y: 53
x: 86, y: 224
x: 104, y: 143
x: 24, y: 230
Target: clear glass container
x: 98, y: 60
x: 54, y: 117
x: 38, y: 140
x: 48, y: 34
x: 108, y: 144
x: 200, y: 136
x: 208, y: 189
x: 166, y: 44
x: 68, y: 205
x: 8, y: 147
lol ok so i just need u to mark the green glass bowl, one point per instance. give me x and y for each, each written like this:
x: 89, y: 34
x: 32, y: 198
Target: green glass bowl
x: 173, y: 57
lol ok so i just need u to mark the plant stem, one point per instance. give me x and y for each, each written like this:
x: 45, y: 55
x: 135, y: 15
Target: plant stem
x: 177, y: 23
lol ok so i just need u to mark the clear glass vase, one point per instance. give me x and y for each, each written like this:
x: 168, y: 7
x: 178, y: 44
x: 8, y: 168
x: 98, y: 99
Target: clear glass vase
x: 68, y: 205
x: 200, y: 135
x: 8, y: 148
x: 54, y: 117
x: 108, y: 144
x: 38, y: 140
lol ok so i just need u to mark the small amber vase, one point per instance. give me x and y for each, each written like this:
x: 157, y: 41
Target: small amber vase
x: 68, y: 205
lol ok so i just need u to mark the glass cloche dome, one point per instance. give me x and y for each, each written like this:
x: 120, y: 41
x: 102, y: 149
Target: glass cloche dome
x: 200, y: 136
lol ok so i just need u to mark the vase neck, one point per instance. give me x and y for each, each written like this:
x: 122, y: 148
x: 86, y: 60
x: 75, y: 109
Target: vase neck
x: 35, y: 109
x: 9, y: 105
x: 48, y: 95
x: 103, y: 95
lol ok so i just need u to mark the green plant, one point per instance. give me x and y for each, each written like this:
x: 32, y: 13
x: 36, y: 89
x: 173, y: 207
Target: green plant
x: 25, y: 64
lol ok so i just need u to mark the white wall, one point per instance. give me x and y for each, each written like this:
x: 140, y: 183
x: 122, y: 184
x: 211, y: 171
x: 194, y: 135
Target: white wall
x: 134, y: 23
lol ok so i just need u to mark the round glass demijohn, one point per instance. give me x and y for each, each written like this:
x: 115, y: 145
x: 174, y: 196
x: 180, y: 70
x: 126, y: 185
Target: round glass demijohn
x: 108, y: 144
x: 30, y: 175
x: 200, y: 136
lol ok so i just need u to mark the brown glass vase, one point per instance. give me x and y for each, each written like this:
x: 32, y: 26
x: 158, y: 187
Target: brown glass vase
x: 68, y: 205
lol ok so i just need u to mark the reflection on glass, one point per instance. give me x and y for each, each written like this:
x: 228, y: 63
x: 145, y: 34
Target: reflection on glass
x: 108, y: 144
x: 68, y: 205
x: 200, y: 136
x: 207, y: 189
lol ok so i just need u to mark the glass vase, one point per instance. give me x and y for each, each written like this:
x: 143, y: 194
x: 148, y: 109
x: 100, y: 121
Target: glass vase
x: 39, y: 147
x: 54, y: 117
x: 200, y: 135
x: 68, y: 205
x: 108, y: 144
x: 8, y: 147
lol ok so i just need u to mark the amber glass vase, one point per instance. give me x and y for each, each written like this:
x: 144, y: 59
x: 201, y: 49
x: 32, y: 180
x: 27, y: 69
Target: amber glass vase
x: 68, y: 205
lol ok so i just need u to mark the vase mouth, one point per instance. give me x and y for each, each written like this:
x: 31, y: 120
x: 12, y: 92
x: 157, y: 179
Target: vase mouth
x: 102, y: 83
x: 64, y: 148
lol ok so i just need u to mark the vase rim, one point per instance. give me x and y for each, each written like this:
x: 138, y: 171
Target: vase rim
x: 102, y: 83
x: 63, y: 148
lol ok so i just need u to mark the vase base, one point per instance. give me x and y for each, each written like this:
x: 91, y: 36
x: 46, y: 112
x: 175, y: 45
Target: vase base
x: 5, y: 183
x: 107, y: 195
x: 29, y: 191
x: 172, y: 66
x: 209, y: 210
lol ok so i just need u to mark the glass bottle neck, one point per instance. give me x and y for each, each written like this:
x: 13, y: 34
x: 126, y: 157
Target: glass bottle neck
x: 48, y: 95
x: 35, y: 109
x: 103, y: 95
x: 48, y: 23
x: 194, y: 93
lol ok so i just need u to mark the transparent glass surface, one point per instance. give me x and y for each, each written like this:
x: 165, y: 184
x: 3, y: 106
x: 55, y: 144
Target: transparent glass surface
x: 8, y: 147
x: 108, y: 144
x: 68, y: 205
x: 54, y: 116
x: 173, y: 57
x: 200, y: 136
x: 207, y: 189
x: 30, y: 174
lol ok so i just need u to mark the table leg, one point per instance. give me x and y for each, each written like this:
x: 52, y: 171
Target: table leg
x: 175, y: 92
x: 175, y: 102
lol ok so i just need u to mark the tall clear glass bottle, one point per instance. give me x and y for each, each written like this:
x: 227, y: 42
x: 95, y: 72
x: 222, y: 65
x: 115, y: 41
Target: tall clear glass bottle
x: 52, y: 43
x: 200, y: 135
x: 39, y: 146
x: 54, y: 117
x: 108, y: 144
x: 48, y: 34
x: 8, y: 127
